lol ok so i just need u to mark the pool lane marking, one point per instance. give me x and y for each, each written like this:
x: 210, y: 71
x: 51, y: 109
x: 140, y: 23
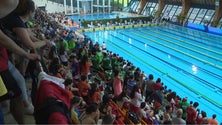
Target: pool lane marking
x: 186, y: 42
x: 193, y: 36
x: 197, y: 58
x: 211, y: 73
x: 202, y: 33
x: 186, y: 72
x: 176, y: 80
x: 215, y: 58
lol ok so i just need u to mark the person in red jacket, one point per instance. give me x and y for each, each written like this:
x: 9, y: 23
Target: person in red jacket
x: 192, y: 113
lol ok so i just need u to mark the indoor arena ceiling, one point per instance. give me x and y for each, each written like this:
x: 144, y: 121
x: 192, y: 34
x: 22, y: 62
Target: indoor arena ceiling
x: 199, y: 2
x: 203, y: 2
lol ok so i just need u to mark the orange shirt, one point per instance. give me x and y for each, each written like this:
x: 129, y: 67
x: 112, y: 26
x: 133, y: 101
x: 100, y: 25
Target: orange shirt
x: 58, y: 75
x: 85, y: 69
x: 70, y: 94
x: 212, y: 121
x: 95, y: 98
x: 83, y: 88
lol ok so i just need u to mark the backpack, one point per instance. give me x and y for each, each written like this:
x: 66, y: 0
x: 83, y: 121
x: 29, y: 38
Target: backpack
x: 133, y: 117
x: 50, y: 105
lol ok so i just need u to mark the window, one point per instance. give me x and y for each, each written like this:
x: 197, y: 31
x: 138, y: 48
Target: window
x: 193, y: 15
x: 200, y: 16
x: 208, y: 17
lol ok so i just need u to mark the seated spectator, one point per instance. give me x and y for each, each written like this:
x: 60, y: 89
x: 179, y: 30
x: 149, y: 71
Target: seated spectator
x: 202, y: 118
x: 105, y: 108
x: 94, y: 94
x: 122, y: 101
x: 108, y: 120
x: 69, y: 87
x: 75, y: 114
x: 178, y: 119
x: 90, y: 116
x: 136, y: 99
x: 167, y: 118
x: 142, y: 112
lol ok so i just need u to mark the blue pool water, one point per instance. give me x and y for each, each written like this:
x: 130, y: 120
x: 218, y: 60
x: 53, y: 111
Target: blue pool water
x: 97, y: 16
x: 188, y: 61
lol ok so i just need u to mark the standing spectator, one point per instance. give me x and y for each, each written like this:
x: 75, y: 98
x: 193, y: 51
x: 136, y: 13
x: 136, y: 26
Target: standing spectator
x: 117, y: 83
x: 148, y: 86
x: 192, y: 113
x: 14, y: 27
x: 84, y: 87
x: 130, y: 84
x: 84, y: 66
x: 6, y: 43
x: 104, y: 50
x: 213, y: 121
x: 74, y: 65
x: 183, y: 105
x: 157, y: 85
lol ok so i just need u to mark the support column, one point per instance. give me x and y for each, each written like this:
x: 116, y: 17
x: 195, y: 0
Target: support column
x: 97, y: 6
x: 185, y: 7
x: 78, y: 6
x: 91, y: 6
x: 65, y: 7
x: 103, y: 6
x: 218, y: 14
x: 71, y: 6
x: 109, y: 6
x: 161, y: 5
x: 142, y: 4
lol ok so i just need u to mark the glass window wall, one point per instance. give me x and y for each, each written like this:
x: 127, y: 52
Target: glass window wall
x: 200, y: 16
x: 208, y: 17
x: 193, y: 14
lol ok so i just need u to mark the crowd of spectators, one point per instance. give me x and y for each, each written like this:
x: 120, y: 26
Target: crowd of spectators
x: 93, y: 75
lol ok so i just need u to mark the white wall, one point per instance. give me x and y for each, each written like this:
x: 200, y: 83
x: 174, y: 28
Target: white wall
x: 51, y: 7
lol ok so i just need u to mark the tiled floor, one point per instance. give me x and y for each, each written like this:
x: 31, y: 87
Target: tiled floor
x: 29, y: 119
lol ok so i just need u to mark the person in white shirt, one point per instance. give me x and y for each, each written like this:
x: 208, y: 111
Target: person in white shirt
x: 178, y: 119
x: 104, y: 50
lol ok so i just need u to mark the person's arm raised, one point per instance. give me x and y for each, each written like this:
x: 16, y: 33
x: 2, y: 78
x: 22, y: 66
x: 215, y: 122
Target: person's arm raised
x: 25, y: 38
x: 12, y: 46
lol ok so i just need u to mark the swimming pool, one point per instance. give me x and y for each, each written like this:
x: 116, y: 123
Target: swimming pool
x: 188, y: 61
x: 98, y: 16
